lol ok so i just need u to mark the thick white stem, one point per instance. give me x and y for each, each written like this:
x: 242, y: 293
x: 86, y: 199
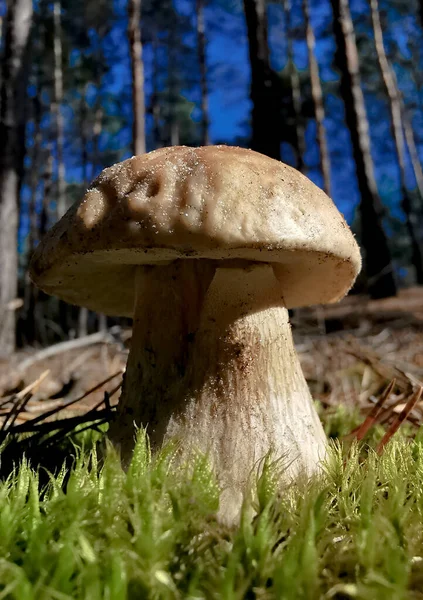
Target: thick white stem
x: 240, y: 391
x: 246, y: 392
x: 168, y: 301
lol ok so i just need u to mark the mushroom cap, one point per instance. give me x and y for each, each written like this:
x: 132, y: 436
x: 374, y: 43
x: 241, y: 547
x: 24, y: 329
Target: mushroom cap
x: 214, y: 202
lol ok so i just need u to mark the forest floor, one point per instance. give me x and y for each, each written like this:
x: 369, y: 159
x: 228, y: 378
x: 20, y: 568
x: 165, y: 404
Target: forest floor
x: 91, y: 531
x: 349, y: 352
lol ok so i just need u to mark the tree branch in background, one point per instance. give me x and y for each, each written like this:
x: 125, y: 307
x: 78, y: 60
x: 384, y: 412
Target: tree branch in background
x: 14, y: 77
x: 30, y: 291
x: 56, y: 108
x: 201, y: 44
x: 316, y: 91
x: 394, y: 96
x: 137, y: 71
x: 378, y: 262
x: 295, y: 91
x: 155, y: 103
x: 265, y: 116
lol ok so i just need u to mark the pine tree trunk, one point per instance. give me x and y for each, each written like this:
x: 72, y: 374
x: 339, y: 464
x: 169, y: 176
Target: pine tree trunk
x: 137, y: 71
x: 18, y: 22
x: 155, y: 103
x: 265, y: 116
x: 173, y: 87
x: 397, y: 131
x: 418, y: 173
x: 45, y: 217
x: 175, y: 139
x: 316, y: 91
x: 420, y: 11
x: 82, y: 326
x: 414, y: 155
x: 295, y: 91
x: 57, y: 107
x: 377, y: 259
x: 96, y: 163
x: 97, y: 130
x: 31, y: 293
x: 201, y: 44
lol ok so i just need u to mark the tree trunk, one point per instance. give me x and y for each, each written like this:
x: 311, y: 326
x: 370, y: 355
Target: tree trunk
x: 415, y: 220
x: 95, y: 160
x: 31, y: 292
x: 155, y: 102
x: 295, y: 91
x: 201, y: 44
x: 48, y: 192
x: 57, y: 107
x: 97, y: 129
x: 265, y: 116
x: 137, y: 71
x: 412, y: 219
x: 378, y: 262
x: 397, y: 131
x: 316, y: 91
x: 36, y: 162
x: 18, y: 22
x: 82, y: 326
x: 174, y: 133
x: 173, y: 87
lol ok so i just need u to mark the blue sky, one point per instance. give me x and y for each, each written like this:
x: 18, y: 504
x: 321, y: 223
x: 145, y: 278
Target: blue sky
x: 229, y: 80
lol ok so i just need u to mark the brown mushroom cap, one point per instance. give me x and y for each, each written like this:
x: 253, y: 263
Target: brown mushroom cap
x: 214, y: 202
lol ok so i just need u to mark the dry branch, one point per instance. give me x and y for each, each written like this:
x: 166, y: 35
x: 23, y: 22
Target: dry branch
x: 371, y: 418
x: 399, y: 419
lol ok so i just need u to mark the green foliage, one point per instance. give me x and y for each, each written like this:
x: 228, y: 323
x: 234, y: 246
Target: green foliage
x: 95, y: 531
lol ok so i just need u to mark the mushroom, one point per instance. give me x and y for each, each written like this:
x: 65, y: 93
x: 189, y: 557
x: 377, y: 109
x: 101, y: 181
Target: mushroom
x: 206, y: 249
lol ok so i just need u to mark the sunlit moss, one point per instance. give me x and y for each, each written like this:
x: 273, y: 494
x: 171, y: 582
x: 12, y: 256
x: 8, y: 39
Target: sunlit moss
x: 96, y: 531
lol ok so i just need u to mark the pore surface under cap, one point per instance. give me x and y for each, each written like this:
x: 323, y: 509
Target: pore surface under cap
x: 214, y: 202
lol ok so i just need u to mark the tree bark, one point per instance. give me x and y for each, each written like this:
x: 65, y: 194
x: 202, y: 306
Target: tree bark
x: 319, y: 109
x: 397, y: 131
x: 31, y: 292
x: 201, y: 44
x: 97, y: 129
x: 48, y: 192
x: 137, y: 71
x: 295, y: 91
x: 82, y: 326
x: 412, y: 220
x: 18, y: 22
x: 265, y: 116
x: 155, y: 102
x: 378, y: 262
x: 414, y: 155
x: 173, y: 86
x: 57, y: 108
x: 420, y: 12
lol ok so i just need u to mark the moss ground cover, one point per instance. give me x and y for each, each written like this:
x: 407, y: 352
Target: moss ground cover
x: 94, y: 531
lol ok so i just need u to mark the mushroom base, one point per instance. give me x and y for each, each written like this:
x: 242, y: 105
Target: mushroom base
x: 226, y: 380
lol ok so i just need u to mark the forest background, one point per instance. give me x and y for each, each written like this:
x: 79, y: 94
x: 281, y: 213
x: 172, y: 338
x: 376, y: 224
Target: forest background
x: 332, y: 87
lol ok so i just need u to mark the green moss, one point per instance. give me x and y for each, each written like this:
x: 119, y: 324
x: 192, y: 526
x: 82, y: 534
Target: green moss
x: 95, y: 531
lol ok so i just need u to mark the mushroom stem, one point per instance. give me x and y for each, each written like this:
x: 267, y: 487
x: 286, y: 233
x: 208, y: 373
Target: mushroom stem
x: 168, y: 301
x: 246, y: 391
x: 240, y: 391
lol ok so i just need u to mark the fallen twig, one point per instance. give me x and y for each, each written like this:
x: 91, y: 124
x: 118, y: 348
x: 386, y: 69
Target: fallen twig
x: 371, y: 418
x: 19, y: 402
x: 29, y: 388
x: 88, y: 340
x: 31, y: 423
x: 400, y: 419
